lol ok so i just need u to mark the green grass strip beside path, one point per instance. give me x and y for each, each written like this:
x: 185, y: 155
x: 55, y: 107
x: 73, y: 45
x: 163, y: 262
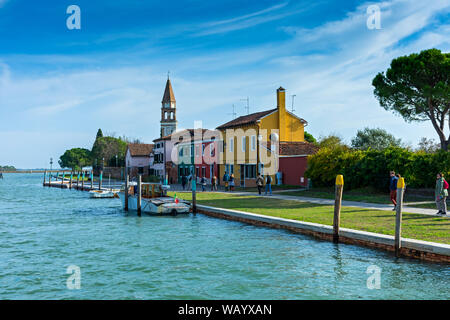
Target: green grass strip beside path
x: 415, y: 226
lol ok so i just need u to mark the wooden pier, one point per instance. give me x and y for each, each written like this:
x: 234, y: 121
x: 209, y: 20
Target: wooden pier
x: 78, y: 181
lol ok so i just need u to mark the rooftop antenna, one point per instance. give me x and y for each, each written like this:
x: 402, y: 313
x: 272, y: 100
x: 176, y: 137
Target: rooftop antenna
x: 292, y: 106
x: 292, y: 123
x: 248, y: 104
x: 233, y: 113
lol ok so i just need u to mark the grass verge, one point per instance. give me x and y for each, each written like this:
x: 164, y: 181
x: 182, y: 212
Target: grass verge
x: 415, y: 226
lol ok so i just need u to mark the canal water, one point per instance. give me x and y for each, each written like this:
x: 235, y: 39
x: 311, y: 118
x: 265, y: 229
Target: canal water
x: 122, y: 256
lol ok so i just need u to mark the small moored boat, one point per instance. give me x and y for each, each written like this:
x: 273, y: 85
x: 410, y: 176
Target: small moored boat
x: 154, y: 200
x: 103, y: 193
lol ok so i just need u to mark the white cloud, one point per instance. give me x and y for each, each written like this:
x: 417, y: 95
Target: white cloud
x: 332, y: 84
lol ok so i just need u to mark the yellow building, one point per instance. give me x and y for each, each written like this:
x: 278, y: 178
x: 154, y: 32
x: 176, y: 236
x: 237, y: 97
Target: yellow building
x: 256, y: 142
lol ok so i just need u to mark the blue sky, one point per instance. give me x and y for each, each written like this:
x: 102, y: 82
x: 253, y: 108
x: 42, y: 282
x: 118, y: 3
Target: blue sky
x: 58, y: 86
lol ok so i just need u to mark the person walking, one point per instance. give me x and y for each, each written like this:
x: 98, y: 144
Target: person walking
x: 232, y: 182
x: 259, y: 183
x: 441, y: 193
x: 393, y: 188
x: 183, y: 182
x: 203, y: 183
x: 225, y: 180
x: 268, y: 184
x: 214, y: 183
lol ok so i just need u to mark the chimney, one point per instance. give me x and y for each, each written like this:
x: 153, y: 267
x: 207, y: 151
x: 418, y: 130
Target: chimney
x: 281, y: 98
x: 281, y: 106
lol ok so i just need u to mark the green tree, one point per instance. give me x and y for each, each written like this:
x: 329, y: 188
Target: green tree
x: 417, y: 87
x: 75, y: 158
x: 107, y: 148
x: 99, y: 134
x: 377, y: 139
x: 309, y: 138
x: 332, y: 141
x: 427, y: 145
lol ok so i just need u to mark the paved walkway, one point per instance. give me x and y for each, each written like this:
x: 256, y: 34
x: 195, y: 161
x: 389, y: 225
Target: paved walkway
x: 365, y: 205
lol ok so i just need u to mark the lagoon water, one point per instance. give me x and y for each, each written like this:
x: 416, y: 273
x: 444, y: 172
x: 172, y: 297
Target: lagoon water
x: 122, y: 256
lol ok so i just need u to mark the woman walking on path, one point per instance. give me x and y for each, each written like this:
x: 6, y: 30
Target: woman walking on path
x: 260, y: 183
x: 268, y: 184
x: 214, y: 184
x: 441, y: 193
x: 393, y: 189
x: 232, y: 182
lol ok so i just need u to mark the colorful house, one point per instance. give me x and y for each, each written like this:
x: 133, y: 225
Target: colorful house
x: 198, y: 155
x: 270, y: 142
x: 138, y: 155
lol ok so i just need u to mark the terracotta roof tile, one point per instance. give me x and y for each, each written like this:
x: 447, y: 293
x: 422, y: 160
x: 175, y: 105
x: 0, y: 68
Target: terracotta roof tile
x: 297, y: 148
x: 183, y: 132
x: 140, y: 149
x: 248, y: 119
x: 168, y: 93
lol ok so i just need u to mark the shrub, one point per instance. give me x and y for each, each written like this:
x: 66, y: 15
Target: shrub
x: 370, y: 168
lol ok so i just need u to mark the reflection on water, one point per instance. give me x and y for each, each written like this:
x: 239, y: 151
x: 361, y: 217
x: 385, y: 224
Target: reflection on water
x: 122, y: 256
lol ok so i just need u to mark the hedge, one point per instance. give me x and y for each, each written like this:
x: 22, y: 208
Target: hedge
x: 371, y: 168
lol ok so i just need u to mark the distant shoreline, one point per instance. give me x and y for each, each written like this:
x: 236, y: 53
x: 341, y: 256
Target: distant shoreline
x: 29, y: 171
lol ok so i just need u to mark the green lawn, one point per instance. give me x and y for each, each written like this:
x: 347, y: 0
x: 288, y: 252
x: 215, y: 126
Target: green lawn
x: 416, y: 226
x: 274, y: 188
x: 431, y: 205
x: 360, y: 195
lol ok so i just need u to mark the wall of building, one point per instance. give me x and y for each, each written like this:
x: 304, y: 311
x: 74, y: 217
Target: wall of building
x: 293, y: 169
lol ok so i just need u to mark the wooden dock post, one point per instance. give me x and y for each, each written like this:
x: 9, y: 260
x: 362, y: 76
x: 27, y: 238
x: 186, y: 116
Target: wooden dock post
x: 139, y: 199
x: 78, y: 180
x: 45, y: 176
x: 127, y: 183
x: 71, y: 178
x: 194, y: 196
x: 337, y: 207
x: 62, y: 179
x: 398, y: 216
x: 49, y: 179
x: 82, y: 180
x: 92, y: 180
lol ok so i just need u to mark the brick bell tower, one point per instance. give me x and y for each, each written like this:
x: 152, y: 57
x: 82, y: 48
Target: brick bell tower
x: 168, y: 111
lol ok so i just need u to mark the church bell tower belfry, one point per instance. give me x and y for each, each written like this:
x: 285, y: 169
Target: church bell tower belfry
x: 168, y: 111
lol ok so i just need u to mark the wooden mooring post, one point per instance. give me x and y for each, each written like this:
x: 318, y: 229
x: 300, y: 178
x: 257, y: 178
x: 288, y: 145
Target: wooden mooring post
x: 62, y: 179
x: 139, y: 198
x: 398, y: 216
x: 337, y: 207
x: 45, y: 176
x: 82, y: 180
x: 49, y: 179
x: 127, y: 182
x: 194, y: 196
x: 92, y: 180
x: 100, y: 180
x: 71, y: 178
x: 78, y: 180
